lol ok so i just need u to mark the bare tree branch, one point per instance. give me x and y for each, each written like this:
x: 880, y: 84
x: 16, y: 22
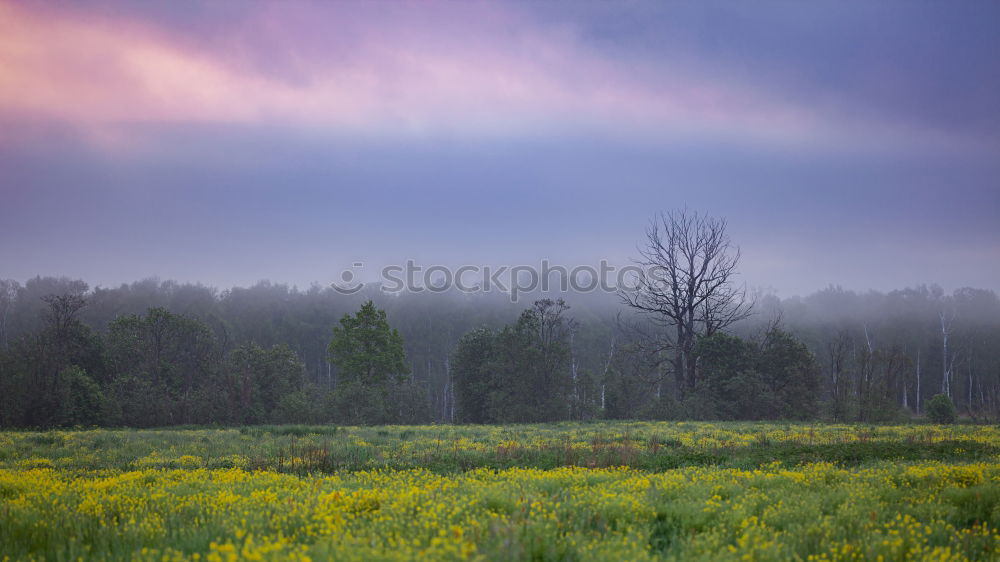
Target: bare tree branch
x: 685, y: 284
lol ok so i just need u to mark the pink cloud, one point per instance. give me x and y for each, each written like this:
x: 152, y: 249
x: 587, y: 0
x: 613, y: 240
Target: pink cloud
x: 422, y: 70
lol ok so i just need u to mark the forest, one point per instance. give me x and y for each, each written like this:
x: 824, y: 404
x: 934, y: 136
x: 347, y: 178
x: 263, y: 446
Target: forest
x: 157, y: 353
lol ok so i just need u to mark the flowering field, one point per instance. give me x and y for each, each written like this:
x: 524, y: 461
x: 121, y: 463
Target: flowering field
x: 554, y: 492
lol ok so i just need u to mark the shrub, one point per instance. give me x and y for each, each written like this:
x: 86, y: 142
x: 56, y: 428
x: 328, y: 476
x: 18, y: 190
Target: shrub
x: 940, y: 409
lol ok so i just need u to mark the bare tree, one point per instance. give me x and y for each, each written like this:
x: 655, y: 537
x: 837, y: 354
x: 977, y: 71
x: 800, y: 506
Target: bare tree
x: 63, y: 309
x: 688, y: 265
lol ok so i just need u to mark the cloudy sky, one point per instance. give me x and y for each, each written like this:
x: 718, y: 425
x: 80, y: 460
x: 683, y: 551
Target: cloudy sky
x: 226, y: 142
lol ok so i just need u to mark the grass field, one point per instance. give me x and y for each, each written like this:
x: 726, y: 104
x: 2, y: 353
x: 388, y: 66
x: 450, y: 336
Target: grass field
x: 604, y: 491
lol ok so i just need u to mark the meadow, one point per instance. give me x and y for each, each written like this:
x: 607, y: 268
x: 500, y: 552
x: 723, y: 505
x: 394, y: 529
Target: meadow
x: 567, y: 491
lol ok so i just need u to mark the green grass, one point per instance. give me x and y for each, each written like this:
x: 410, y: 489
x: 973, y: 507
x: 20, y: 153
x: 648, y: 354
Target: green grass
x: 565, y: 491
x: 449, y: 449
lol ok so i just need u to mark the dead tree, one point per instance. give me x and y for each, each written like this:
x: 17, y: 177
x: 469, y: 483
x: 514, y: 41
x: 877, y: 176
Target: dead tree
x: 685, y: 283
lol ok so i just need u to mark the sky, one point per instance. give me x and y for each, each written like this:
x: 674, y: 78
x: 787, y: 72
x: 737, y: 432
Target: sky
x: 846, y: 143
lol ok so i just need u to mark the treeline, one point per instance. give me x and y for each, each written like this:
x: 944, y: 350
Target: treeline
x: 884, y: 355
x: 159, y: 353
x: 150, y: 370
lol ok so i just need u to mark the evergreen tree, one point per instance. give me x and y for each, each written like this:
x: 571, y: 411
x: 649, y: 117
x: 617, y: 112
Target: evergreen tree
x: 371, y: 364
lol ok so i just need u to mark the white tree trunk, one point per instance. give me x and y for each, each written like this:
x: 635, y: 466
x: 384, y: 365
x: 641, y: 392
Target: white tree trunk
x: 945, y: 365
x: 607, y: 369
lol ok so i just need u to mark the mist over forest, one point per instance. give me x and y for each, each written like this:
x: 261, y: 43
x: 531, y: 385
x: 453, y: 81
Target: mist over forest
x: 154, y: 353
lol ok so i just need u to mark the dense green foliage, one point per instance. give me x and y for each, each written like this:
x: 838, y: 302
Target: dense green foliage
x: 371, y: 365
x: 152, y: 369
x: 940, y: 409
x: 366, y: 350
x: 521, y: 373
x: 775, y: 378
